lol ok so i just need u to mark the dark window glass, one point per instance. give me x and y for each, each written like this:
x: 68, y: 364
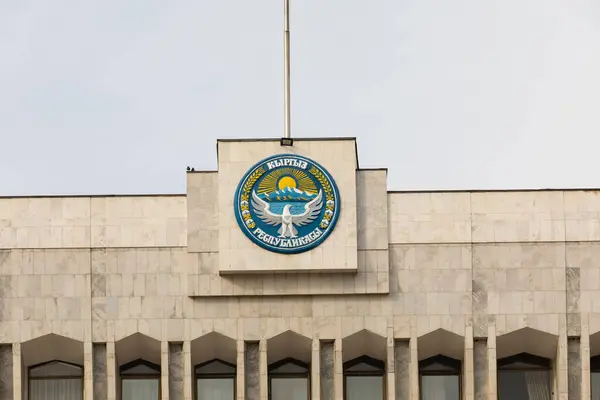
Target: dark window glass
x: 140, y: 380
x: 440, y: 378
x: 524, y: 377
x: 56, y: 380
x: 364, y: 379
x: 215, y: 380
x: 289, y: 380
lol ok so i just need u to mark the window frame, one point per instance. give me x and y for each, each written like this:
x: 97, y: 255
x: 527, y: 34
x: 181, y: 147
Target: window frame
x: 594, y: 369
x: 56, y: 377
x: 210, y: 375
x: 373, y: 362
x: 132, y: 364
x: 290, y: 375
x: 454, y: 369
x: 535, y: 363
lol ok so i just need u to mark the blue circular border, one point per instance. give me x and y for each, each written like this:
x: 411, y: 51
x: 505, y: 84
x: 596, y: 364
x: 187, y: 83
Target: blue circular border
x: 310, y: 246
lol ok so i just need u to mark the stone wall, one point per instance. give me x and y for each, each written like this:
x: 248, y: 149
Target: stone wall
x: 476, y: 276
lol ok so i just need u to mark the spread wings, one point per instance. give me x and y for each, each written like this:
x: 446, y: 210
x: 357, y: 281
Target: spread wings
x: 261, y: 208
x: 311, y: 211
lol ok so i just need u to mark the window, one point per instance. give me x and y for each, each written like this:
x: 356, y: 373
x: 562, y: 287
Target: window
x: 440, y: 378
x: 215, y: 380
x: 288, y: 380
x: 363, y: 379
x: 140, y: 380
x: 56, y: 380
x: 524, y: 377
x: 595, y: 378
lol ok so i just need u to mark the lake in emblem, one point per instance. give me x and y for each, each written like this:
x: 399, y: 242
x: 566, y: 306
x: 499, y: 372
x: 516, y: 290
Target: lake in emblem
x: 287, y: 204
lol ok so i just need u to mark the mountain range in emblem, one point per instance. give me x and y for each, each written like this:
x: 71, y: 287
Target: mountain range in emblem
x: 288, y: 194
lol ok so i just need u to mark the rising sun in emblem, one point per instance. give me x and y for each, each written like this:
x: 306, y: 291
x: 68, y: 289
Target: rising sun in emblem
x: 281, y: 178
x: 286, y: 181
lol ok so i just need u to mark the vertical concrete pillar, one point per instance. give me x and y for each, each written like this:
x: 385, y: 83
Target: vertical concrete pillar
x: 315, y: 370
x: 6, y: 372
x: 99, y: 363
x: 188, y: 381
x: 390, y: 364
x: 326, y: 369
x: 17, y: 365
x: 467, y: 365
x: 481, y: 374
x: 175, y: 371
x: 264, y: 370
x: 492, y: 363
x: 88, y: 371
x: 560, y: 369
x: 338, y: 369
x: 586, y: 391
x: 111, y: 371
x: 574, y: 368
x: 414, y: 361
x: 252, y: 371
x: 240, y: 377
x: 164, y: 370
x: 402, y: 369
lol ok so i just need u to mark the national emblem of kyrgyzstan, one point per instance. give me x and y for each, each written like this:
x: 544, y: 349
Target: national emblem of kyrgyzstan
x: 287, y: 204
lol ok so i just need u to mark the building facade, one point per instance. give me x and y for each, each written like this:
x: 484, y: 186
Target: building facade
x: 411, y: 295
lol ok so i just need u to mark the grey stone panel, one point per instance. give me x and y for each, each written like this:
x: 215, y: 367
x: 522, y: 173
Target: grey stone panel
x: 176, y: 371
x: 573, y: 279
x: 402, y: 369
x: 480, y: 362
x: 99, y: 371
x: 6, y: 372
x: 326, y: 356
x: 574, y: 368
x: 252, y: 371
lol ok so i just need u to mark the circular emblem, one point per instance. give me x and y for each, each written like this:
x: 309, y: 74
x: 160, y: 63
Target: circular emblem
x: 287, y: 204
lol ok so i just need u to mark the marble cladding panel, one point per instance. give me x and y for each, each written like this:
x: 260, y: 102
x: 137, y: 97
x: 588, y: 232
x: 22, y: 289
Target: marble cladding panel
x: 99, y: 365
x: 326, y: 367
x: 373, y: 277
x: 518, y: 285
x: 429, y: 217
x: 574, y: 368
x: 176, y: 365
x: 402, y: 369
x: 433, y: 283
x: 84, y: 222
x: 582, y: 215
x: 338, y: 253
x: 202, y: 212
x: 480, y: 370
x: 583, y: 289
x: 518, y: 216
x: 252, y: 371
x: 139, y: 221
x: 44, y: 222
x: 6, y: 372
x: 372, y: 209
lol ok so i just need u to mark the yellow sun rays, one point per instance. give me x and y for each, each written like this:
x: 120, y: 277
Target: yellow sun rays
x: 280, y: 178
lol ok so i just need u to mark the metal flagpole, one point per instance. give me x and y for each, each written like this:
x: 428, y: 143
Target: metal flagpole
x: 286, y: 50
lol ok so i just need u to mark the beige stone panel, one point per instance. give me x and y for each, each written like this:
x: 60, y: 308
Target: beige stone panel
x: 139, y: 221
x: 518, y: 216
x: 582, y: 215
x: 372, y: 212
x: 429, y: 217
x: 372, y: 277
x: 45, y: 222
x: 239, y: 254
x: 202, y: 211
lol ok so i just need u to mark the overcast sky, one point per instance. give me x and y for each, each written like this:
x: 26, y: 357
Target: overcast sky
x: 103, y: 97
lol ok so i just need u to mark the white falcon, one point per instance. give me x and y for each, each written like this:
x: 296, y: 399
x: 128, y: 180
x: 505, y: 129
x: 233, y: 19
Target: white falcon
x: 286, y: 219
